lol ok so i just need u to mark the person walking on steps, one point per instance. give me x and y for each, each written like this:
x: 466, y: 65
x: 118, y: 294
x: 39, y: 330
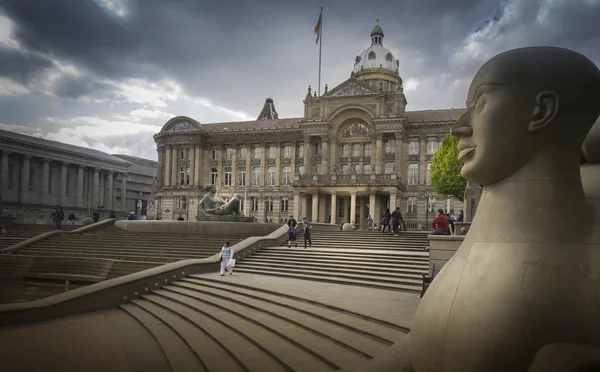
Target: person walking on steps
x: 396, y: 220
x: 307, y: 227
x: 385, y: 220
x: 225, y: 256
x: 292, y: 225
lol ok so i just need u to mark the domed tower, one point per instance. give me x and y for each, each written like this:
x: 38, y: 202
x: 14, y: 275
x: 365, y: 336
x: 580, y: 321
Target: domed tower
x: 376, y: 65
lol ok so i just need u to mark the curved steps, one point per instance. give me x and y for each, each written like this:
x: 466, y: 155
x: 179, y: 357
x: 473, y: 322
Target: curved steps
x: 206, y: 324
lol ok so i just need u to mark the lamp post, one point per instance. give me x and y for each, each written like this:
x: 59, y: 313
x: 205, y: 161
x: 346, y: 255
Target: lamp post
x: 427, y: 195
x: 188, y: 201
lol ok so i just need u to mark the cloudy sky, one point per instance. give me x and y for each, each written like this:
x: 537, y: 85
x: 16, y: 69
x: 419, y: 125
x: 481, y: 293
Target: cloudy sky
x: 108, y: 74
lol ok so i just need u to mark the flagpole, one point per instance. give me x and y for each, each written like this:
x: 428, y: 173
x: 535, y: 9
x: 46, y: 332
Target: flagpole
x: 320, y: 44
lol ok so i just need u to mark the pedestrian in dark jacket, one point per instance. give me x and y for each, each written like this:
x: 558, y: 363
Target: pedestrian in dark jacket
x: 396, y: 220
x: 385, y: 221
x: 96, y: 216
x: 292, y: 225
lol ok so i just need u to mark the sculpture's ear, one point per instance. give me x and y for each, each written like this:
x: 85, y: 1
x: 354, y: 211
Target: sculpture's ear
x: 545, y: 110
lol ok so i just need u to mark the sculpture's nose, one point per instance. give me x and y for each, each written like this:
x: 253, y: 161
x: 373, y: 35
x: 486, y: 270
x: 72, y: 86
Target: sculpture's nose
x: 462, y: 127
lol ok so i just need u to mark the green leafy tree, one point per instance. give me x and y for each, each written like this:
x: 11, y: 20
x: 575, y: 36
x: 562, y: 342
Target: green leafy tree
x: 445, y: 170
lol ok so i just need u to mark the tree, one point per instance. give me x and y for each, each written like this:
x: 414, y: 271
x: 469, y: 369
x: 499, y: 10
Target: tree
x: 445, y: 170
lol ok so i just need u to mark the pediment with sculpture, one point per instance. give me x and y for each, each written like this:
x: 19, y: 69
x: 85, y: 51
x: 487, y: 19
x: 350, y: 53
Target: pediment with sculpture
x: 356, y: 130
x: 182, y: 124
x: 350, y: 88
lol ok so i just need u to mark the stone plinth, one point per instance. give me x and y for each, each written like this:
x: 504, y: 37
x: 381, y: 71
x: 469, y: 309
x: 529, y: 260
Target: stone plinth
x: 225, y: 218
x: 201, y: 227
x: 348, y: 227
x: 87, y: 220
x: 442, y: 248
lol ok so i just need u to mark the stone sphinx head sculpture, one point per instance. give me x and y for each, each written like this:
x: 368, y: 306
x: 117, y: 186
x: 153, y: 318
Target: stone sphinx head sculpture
x: 527, y: 106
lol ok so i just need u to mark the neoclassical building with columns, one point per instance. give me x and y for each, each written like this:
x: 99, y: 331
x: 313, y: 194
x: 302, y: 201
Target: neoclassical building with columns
x: 37, y: 175
x: 355, y: 152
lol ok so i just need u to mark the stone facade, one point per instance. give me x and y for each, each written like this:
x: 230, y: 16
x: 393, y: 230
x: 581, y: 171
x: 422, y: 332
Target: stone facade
x: 355, y: 149
x: 37, y: 175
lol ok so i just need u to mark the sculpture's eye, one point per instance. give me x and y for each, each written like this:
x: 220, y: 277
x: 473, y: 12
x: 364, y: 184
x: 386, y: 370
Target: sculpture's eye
x: 479, y: 103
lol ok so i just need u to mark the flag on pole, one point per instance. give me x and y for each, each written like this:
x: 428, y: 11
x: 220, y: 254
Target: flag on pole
x: 318, y: 26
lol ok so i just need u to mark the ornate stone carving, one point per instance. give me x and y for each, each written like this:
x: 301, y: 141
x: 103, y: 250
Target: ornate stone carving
x: 352, y: 89
x: 356, y: 130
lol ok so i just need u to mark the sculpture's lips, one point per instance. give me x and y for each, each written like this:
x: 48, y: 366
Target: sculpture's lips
x: 463, y: 150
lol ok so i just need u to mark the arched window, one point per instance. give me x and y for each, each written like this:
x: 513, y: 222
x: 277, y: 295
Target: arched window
x: 357, y: 59
x: 388, y: 57
x: 345, y: 149
x: 372, y: 55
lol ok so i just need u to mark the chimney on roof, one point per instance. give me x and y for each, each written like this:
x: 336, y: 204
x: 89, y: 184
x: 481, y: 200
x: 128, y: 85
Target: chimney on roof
x: 268, y: 112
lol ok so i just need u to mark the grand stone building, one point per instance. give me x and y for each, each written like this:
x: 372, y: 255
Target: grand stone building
x: 37, y: 175
x: 355, y: 152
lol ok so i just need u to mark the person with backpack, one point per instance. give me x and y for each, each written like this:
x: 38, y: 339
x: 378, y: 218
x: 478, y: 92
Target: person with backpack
x: 307, y: 227
x: 226, y: 261
x: 292, y: 225
x: 71, y: 219
x: 58, y: 215
x: 132, y: 216
x: 396, y: 220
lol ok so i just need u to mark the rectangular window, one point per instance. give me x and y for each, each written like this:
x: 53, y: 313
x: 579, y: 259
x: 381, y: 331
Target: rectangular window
x: 228, y: 153
x: 181, y: 202
x: 345, y: 150
x: 432, y: 147
x: 411, y: 204
x: 181, y: 176
x: 287, y: 151
x: 215, y: 155
x: 367, y: 151
x: 284, y: 204
x: 317, y: 168
x: 214, y: 174
x: 300, y: 151
x: 182, y: 154
x: 188, y: 176
x: 356, y: 168
x: 413, y: 174
x: 256, y: 153
x: 340, y: 213
x: 271, y: 176
x: 31, y: 177
x: 344, y: 169
x: 242, y: 153
x: 318, y: 148
x: 254, y: 204
x: 286, y: 176
x: 390, y: 147
x: 50, y: 178
x: 413, y: 148
x: 227, y: 176
x: 388, y: 167
x: 255, y: 176
x: 269, y: 204
x: 242, y: 177
x: 355, y: 149
x: 271, y: 152
x: 367, y: 169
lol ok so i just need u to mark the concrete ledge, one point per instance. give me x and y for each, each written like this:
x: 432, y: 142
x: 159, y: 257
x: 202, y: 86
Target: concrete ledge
x: 111, y: 293
x: 205, y: 227
x: 442, y: 248
x: 37, y: 238
x: 459, y: 225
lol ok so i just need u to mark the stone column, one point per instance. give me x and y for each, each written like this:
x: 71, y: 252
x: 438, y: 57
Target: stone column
x: 198, y: 170
x: 332, y: 156
x: 325, y: 155
x: 192, y: 165
x: 160, y: 168
x: 234, y: 169
x: 63, y: 184
x: 167, y: 170
x: 25, y: 179
x: 304, y: 211
x: 315, y: 207
x: 96, y: 188
x: 293, y: 164
x: 378, y: 155
x: 110, y: 198
x: 45, y: 181
x: 323, y: 209
x: 393, y: 197
x: 422, y: 159
x: 346, y: 210
x: 353, y: 208
x: 296, y: 210
x: 124, y: 192
x: 263, y: 166
x: 307, y: 156
x: 333, y: 208
x: 249, y: 155
x: 262, y: 211
x: 362, y: 208
x: 80, y: 203
x: 174, y: 169
x: 372, y: 202
x: 4, y: 177
x: 399, y: 163
x: 278, y: 165
x: 220, y: 170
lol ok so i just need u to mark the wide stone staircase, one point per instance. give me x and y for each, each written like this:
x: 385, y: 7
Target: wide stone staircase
x: 205, y: 324
x: 362, y: 258
x: 110, y: 252
x: 18, y: 233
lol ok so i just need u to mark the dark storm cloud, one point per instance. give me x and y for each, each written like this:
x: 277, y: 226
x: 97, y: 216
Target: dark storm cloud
x: 74, y: 87
x: 21, y: 66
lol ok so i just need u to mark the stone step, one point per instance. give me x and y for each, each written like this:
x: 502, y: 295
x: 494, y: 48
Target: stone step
x: 179, y: 355
x: 335, y: 279
x: 348, y: 261
x: 392, y: 269
x: 313, y: 252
